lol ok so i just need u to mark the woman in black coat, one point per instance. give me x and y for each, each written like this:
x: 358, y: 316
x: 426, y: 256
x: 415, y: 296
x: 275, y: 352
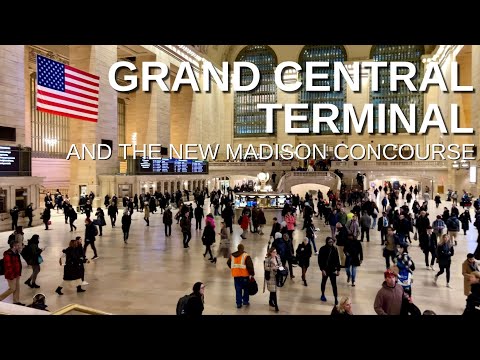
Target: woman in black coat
x: 73, y: 270
x: 465, y: 220
x: 208, y: 237
x: 126, y: 222
x: 33, y: 259
x: 304, y: 252
x: 46, y: 217
x: 354, y: 256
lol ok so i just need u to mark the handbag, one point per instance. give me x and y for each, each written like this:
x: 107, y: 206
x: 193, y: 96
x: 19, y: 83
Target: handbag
x: 40, y: 259
x: 252, y: 286
x: 49, y: 222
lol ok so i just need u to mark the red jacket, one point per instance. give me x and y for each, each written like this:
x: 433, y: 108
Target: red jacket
x: 13, y: 265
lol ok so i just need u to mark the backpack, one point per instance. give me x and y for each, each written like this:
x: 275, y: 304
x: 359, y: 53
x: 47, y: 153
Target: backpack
x: 182, y: 305
x: 2, y: 267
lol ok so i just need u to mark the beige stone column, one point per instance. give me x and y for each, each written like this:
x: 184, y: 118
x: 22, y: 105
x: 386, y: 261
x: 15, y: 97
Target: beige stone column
x: 12, y: 91
x: 95, y: 59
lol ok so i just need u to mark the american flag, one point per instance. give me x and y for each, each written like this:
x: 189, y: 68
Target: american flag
x: 66, y: 91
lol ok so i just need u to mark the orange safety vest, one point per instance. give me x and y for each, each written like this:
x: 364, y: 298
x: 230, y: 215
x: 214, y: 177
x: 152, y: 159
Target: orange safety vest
x: 239, y: 268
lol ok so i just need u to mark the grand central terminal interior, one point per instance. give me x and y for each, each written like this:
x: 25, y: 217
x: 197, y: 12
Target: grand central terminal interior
x: 148, y: 271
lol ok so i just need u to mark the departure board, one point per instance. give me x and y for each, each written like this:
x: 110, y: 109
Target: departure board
x: 171, y: 166
x: 9, y: 160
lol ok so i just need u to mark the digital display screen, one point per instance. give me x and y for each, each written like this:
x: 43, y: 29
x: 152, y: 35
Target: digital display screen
x: 171, y: 166
x: 9, y: 160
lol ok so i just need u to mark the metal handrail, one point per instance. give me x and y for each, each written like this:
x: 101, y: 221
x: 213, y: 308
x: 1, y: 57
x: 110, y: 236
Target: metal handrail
x: 80, y: 308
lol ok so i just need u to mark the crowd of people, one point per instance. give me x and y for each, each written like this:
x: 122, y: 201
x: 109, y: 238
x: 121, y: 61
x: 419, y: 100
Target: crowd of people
x: 403, y: 218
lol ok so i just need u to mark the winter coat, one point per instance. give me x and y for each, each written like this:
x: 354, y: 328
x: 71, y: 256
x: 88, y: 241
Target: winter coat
x: 389, y: 300
x: 467, y: 269
x: 304, y: 253
x: 328, y: 259
x: 73, y: 269
x: 208, y: 237
x: 465, y: 220
x: 428, y: 244
x: 12, y: 264
x: 90, y: 231
x: 186, y: 225
x: 126, y: 222
x: 354, y: 252
x: 271, y: 266
x: 167, y: 217
x: 444, y: 254
x: 245, y: 222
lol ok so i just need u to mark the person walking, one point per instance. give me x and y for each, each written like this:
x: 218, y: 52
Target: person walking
x: 304, y: 253
x: 72, y: 216
x: 241, y: 265
x: 186, y: 225
x: 167, y: 221
x: 90, y: 233
x: 73, y: 270
x: 271, y: 264
x: 224, y: 248
x: 354, y: 257
x: 13, y: 271
x: 195, y: 304
x: 126, y: 222
x: 389, y: 298
x: 146, y: 214
x: 468, y: 267
x: 428, y: 244
x: 29, y: 214
x: 208, y: 237
x: 32, y: 255
x: 112, y: 212
x: 445, y: 251
x: 329, y: 263
x: 198, y: 212
x: 100, y: 217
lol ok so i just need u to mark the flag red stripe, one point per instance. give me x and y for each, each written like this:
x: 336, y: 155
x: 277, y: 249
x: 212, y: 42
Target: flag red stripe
x: 82, y: 72
x: 66, y: 114
x: 80, y: 87
x: 80, y: 79
x: 41, y: 92
x: 53, y: 103
x: 82, y: 95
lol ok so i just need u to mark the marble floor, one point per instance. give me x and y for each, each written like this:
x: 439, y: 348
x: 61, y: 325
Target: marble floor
x: 151, y: 272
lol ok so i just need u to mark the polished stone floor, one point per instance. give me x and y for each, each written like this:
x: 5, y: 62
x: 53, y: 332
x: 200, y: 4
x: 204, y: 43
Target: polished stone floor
x: 148, y: 275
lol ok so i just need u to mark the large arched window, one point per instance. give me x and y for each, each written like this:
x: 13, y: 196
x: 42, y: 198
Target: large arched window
x: 50, y: 133
x: 249, y: 121
x: 330, y: 53
x: 403, y: 97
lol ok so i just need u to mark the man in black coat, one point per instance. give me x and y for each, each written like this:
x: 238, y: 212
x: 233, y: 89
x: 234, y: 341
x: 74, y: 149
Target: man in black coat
x: 329, y: 264
x: 29, y: 214
x: 428, y: 244
x: 227, y: 215
x: 14, y: 214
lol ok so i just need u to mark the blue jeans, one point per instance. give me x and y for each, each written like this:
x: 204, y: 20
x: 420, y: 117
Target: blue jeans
x: 352, y: 272
x: 241, y: 290
x: 312, y: 241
